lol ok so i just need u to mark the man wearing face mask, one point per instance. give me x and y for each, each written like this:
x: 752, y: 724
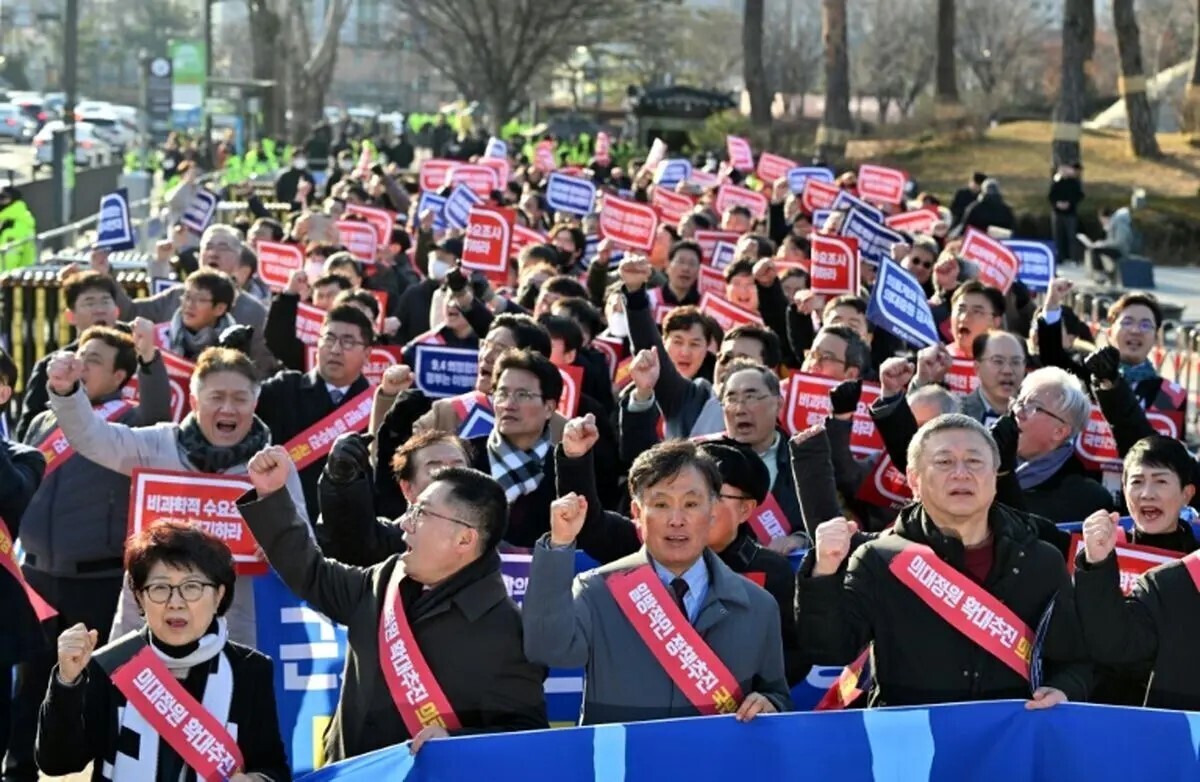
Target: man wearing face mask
x: 288, y: 183
x: 413, y: 309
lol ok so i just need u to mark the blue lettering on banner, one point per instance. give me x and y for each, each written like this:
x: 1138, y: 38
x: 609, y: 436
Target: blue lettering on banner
x: 846, y: 202
x: 458, y: 206
x: 1036, y: 261
x: 114, y: 229
x: 496, y: 148
x: 820, y: 217
x: 899, y: 307
x: 723, y: 254
x: 672, y: 172
x: 875, y: 239
x: 200, y: 211
x: 798, y: 177
x: 441, y: 371
x: 436, y: 204
x: 570, y: 194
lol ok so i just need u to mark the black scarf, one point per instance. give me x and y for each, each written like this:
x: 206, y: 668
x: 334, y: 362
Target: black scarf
x: 207, y: 457
x: 1179, y: 539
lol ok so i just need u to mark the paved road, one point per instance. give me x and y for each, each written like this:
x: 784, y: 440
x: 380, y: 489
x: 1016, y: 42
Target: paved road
x: 1177, y: 285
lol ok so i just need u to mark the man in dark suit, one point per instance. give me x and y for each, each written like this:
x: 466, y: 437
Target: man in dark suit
x: 465, y: 670
x: 291, y: 402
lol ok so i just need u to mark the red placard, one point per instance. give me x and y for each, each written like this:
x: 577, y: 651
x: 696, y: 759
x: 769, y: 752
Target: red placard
x: 500, y: 166
x: 703, y: 179
x: 834, y: 265
x: 919, y: 221
x: 732, y: 195
x: 522, y: 237
x: 708, y: 241
x: 726, y: 313
x: 880, y: 184
x: 488, y: 241
x: 308, y: 323
x: 379, y: 359
x: 204, y: 500
x: 672, y: 207
x: 773, y: 167
x: 277, y: 261
x: 885, y: 486
x: 768, y: 521
x: 808, y: 405
x: 628, y: 223
x: 711, y: 281
x: 818, y: 195
x: 434, y: 172
x: 1132, y: 560
x: 740, y: 155
x: 568, y: 403
x: 961, y: 377
x: 1097, y: 447
x: 614, y: 351
x: 481, y: 179
x: 997, y: 263
x: 543, y: 157
x: 359, y: 239
x: 381, y: 220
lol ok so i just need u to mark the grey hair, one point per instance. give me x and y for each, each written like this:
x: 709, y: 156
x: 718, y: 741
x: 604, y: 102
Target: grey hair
x: 990, y: 186
x: 222, y: 230
x: 946, y: 423
x: 1067, y: 391
x: 769, y: 378
x: 945, y: 401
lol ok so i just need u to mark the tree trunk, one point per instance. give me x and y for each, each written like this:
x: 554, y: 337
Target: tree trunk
x: 946, y: 101
x: 1068, y: 111
x: 834, y: 131
x: 1191, y: 101
x: 1141, y: 119
x: 754, y: 72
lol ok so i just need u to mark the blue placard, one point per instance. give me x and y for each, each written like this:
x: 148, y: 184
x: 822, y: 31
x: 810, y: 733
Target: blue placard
x: 458, y: 206
x: 875, y: 239
x: 1036, y: 259
x: 846, y: 202
x: 798, y: 177
x: 898, y: 306
x: 820, y: 217
x: 440, y: 371
x: 496, y: 148
x: 591, y: 245
x: 436, y: 204
x: 673, y: 171
x: 723, y: 254
x: 160, y: 284
x: 200, y: 211
x: 570, y: 193
x: 114, y: 229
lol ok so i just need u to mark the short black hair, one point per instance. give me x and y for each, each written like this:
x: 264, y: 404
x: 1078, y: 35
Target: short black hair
x: 344, y: 260
x: 563, y: 285
x: 1132, y: 299
x: 686, y: 245
x: 549, y: 378
x: 858, y: 354
x: 857, y: 303
x: 533, y: 253
x: 772, y: 352
x: 402, y: 459
x: 248, y: 258
x: 126, y: 358
x: 345, y: 313
x: 180, y: 545
x: 562, y: 327
x: 684, y: 318
x: 668, y: 459
x: 481, y: 498
x: 81, y: 282
x: 742, y: 266
x: 365, y: 298
x: 332, y: 279
x: 218, y: 284
x: 1164, y: 452
x: 582, y: 311
x: 276, y: 227
x: 765, y: 247
x: 741, y: 211
x: 993, y: 295
x: 8, y: 369
x: 526, y: 331
x: 980, y: 343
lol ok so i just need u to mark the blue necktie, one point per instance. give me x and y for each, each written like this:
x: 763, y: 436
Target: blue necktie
x: 337, y: 395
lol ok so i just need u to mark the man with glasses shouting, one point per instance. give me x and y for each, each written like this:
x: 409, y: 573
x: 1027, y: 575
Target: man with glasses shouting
x: 435, y: 641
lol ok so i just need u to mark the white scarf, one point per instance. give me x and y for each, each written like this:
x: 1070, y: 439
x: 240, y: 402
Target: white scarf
x: 218, y: 693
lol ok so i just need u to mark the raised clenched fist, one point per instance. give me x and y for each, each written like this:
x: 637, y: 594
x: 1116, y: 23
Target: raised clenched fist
x: 396, y: 378
x: 1057, y: 294
x: 63, y: 372
x: 933, y: 363
x: 143, y: 333
x: 75, y: 646
x: 297, y: 284
x: 268, y: 470
x: 894, y: 376
x: 580, y: 435
x: 644, y: 372
x: 567, y: 514
x: 634, y: 271
x: 833, y: 545
x: 808, y: 301
x: 1100, y: 535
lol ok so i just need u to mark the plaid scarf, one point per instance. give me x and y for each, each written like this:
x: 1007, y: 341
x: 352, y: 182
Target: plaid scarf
x: 518, y: 472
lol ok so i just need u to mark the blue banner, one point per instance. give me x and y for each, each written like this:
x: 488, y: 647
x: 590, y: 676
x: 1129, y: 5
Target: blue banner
x: 440, y: 371
x: 999, y: 741
x: 436, y: 204
x: 496, y: 148
x: 160, y: 284
x: 200, y: 211
x: 723, y: 254
x: 1037, y: 263
x: 570, y: 193
x: 672, y: 172
x: 458, y: 206
x: 799, y: 176
x: 847, y: 202
x: 899, y: 307
x: 114, y: 229
x: 875, y: 239
x: 591, y: 245
x: 820, y: 217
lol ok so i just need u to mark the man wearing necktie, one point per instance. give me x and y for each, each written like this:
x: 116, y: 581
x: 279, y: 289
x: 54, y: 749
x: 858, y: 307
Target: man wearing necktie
x: 669, y: 631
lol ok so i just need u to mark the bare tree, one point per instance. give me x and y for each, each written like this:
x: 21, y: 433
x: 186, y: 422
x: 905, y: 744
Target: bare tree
x: 835, y: 127
x: 999, y: 45
x: 703, y: 50
x: 1078, y: 27
x: 792, y: 50
x: 1141, y: 118
x: 946, y: 90
x: 752, y: 63
x: 492, y: 50
x: 895, y: 58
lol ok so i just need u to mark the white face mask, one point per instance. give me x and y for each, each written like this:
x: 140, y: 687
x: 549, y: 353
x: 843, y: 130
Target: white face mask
x: 346, y: 165
x: 300, y: 163
x: 618, y: 324
x: 314, y: 270
x: 438, y: 269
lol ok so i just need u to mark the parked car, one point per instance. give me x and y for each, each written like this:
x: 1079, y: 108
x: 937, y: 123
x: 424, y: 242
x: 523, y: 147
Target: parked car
x: 91, y: 149
x: 119, y: 133
x: 15, y: 126
x: 35, y: 109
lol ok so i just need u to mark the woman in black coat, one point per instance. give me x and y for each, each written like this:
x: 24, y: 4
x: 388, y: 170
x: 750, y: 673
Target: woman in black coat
x: 183, y: 580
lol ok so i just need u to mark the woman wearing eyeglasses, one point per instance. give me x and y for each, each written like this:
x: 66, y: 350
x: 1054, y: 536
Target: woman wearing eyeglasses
x: 175, y: 700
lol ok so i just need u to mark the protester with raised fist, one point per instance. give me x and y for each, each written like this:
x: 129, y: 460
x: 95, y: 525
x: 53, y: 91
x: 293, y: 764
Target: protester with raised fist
x: 440, y: 609
x: 954, y: 549
x: 598, y: 621
x: 98, y: 708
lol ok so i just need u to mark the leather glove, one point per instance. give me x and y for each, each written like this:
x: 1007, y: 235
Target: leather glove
x: 456, y: 280
x: 1006, y: 433
x: 350, y: 458
x: 1104, y: 364
x: 237, y: 337
x: 844, y: 397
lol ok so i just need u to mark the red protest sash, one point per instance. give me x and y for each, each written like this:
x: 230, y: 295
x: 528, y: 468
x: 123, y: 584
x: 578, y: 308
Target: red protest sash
x: 846, y: 689
x: 57, y: 450
x: 183, y: 722
x: 1192, y: 563
x: 968, y: 607
x: 768, y: 521
x: 417, y: 695
x: 1132, y: 560
x: 691, y: 663
x: 316, y: 441
x: 8, y: 560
